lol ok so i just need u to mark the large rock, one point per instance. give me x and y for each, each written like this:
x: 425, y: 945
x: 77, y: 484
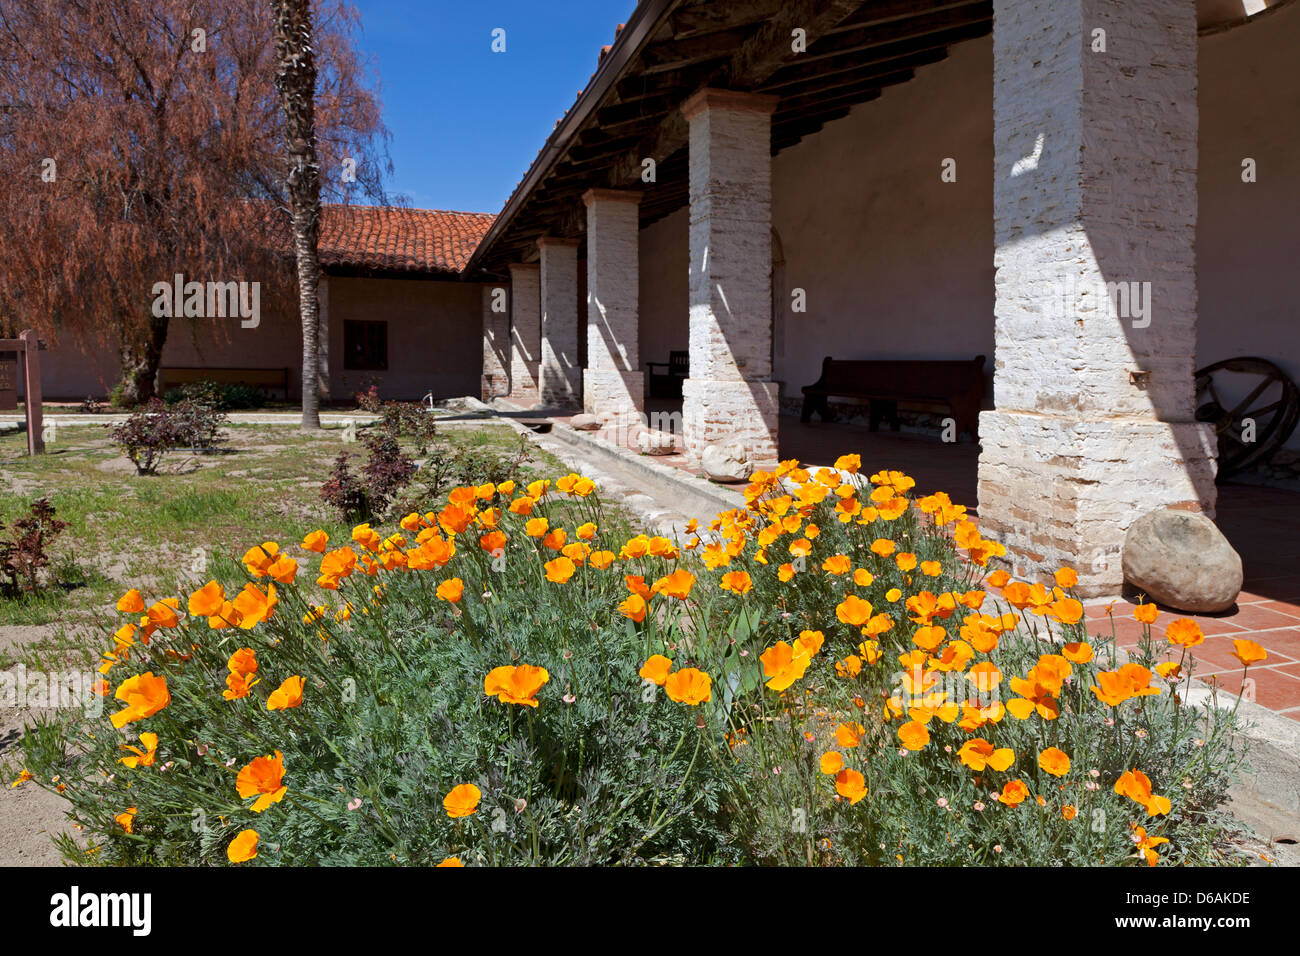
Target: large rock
x: 726, y: 462
x: 1180, y: 559
x: 654, y: 442
x: 584, y: 422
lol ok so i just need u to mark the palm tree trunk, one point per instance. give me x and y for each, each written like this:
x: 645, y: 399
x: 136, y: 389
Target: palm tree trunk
x: 295, y: 79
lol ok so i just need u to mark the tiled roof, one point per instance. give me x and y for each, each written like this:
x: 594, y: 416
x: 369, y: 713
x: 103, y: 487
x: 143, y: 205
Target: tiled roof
x: 394, y: 238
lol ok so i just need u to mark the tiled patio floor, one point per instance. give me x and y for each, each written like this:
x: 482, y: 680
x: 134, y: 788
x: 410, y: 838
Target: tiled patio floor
x: 1263, y: 524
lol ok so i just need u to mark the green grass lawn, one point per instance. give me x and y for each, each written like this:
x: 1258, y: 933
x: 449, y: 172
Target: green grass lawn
x: 162, y: 533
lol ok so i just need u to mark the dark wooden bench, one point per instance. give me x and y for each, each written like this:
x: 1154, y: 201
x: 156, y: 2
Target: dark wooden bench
x: 886, y: 382
x: 668, y: 383
x: 267, y: 379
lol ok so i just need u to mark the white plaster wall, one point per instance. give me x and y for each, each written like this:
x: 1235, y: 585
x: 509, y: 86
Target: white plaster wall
x: 895, y: 263
x: 1248, y: 235
x: 435, y: 336
x: 664, y: 264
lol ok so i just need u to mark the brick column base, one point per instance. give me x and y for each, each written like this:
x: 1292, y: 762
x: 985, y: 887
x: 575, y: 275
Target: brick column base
x: 613, y: 396
x: 523, y: 380
x: 1063, y: 492
x: 560, y: 387
x: 735, y: 410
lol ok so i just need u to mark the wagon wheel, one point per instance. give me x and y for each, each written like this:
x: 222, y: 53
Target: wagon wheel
x: 1272, y: 404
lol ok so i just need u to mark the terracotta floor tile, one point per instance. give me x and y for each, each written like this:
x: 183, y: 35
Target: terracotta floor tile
x: 1255, y: 617
x: 1208, y: 625
x: 1273, y: 690
x: 1291, y: 669
x: 1283, y: 607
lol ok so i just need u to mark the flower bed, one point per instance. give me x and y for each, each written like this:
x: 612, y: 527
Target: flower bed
x: 830, y: 675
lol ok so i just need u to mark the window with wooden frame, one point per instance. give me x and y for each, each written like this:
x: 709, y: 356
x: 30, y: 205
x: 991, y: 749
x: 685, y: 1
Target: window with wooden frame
x: 365, y: 346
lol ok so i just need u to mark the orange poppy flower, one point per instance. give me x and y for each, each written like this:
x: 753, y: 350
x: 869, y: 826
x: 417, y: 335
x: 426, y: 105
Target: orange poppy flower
x: 1146, y: 613
x: 737, y: 581
x: 264, y: 779
x: 853, y: 611
x: 260, y: 557
x: 837, y: 564
x: 207, y: 600
x: 283, y: 569
x: 131, y: 602
x: 462, y: 801
x: 243, y: 847
x: 238, y: 686
x: 1135, y: 785
x: 516, y: 685
x: 782, y: 666
x: 978, y: 754
x: 1054, y: 761
x: 1066, y: 577
x: 1184, y: 632
x: 560, y: 570
x: 851, y: 785
x: 1080, y: 652
x: 126, y: 819
x: 287, y: 695
x: 831, y: 763
x: 254, y: 605
x: 1013, y: 793
x: 316, y: 541
x: 142, y: 758
x: 633, y: 608
x: 656, y: 669
x: 163, y: 613
x: 600, y: 560
x: 144, y: 695
x: 678, y: 584
x: 689, y: 686
x: 1147, y: 844
x: 913, y: 735
x: 1248, y: 652
x: 998, y: 578
x: 1069, y: 811
x: 849, y: 734
x: 451, y: 590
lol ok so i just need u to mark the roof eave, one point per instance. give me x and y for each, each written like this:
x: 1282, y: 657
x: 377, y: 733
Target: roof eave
x: 641, y: 25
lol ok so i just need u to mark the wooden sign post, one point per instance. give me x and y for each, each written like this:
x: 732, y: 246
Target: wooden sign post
x: 26, y: 352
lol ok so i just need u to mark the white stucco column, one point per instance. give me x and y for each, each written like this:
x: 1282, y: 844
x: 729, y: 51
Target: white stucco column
x: 496, y: 341
x: 525, y: 330
x: 560, y: 375
x: 613, y: 383
x: 1094, y: 184
x: 729, y: 395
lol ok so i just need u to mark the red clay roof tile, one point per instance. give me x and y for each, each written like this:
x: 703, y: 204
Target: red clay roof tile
x: 399, y: 239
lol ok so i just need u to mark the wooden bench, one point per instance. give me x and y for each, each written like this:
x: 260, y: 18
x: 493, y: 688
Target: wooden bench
x: 668, y: 383
x: 266, y: 379
x: 884, y: 383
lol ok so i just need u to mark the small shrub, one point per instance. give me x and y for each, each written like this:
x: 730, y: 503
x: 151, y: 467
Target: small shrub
x: 344, y: 492
x: 411, y: 421
x: 229, y: 397
x: 24, y: 555
x: 147, y: 436
x: 368, y: 399
x: 196, y: 424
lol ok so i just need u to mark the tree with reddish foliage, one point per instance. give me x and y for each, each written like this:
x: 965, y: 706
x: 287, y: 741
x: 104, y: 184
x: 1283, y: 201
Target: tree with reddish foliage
x: 141, y: 139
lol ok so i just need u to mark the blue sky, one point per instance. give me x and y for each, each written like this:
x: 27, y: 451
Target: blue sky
x: 467, y: 122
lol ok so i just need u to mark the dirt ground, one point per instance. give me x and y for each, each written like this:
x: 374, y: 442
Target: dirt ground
x: 29, y: 816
